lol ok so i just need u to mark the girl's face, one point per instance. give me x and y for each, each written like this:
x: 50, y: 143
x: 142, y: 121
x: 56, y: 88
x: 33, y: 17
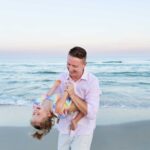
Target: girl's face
x: 39, y: 115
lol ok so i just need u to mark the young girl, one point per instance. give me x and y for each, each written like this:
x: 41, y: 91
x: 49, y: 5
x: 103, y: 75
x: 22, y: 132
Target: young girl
x: 53, y: 106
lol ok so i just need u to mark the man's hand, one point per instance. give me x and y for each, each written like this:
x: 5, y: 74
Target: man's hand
x: 79, y: 103
x: 70, y: 88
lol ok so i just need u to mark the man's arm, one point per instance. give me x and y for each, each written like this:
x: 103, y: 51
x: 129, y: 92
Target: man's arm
x: 93, y: 98
x: 80, y: 103
x: 90, y: 105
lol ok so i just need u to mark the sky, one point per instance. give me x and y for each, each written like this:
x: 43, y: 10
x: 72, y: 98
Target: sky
x: 109, y: 27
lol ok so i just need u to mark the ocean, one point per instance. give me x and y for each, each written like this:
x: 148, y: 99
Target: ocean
x: 124, y: 83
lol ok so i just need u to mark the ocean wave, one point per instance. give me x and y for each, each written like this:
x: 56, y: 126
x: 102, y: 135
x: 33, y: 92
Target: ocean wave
x: 124, y: 73
x: 12, y: 103
x: 103, y: 103
x: 124, y: 84
x: 144, y: 83
x: 12, y: 82
x: 112, y: 62
x: 44, y: 72
x: 124, y: 104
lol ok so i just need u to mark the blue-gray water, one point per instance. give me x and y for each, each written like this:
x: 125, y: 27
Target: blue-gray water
x: 123, y: 83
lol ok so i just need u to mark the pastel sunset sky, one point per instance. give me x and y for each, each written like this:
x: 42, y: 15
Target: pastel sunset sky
x: 55, y: 26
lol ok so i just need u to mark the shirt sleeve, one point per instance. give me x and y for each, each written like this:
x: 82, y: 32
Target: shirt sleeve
x: 93, y: 99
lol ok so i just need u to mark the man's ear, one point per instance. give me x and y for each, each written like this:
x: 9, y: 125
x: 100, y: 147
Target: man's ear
x: 84, y: 62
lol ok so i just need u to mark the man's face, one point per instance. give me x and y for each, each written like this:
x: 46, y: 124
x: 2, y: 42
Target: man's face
x: 75, y: 67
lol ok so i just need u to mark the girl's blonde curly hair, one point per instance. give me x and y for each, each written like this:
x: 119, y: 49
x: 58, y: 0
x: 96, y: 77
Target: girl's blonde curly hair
x: 44, y: 127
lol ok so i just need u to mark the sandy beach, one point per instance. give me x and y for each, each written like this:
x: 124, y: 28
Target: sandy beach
x: 15, y: 135
x: 129, y: 136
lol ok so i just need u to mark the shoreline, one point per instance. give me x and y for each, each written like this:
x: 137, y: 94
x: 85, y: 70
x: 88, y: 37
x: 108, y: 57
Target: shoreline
x: 12, y: 115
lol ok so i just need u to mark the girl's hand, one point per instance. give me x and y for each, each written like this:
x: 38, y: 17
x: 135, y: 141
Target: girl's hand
x: 70, y: 88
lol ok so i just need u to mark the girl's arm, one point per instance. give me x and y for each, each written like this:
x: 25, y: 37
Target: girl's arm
x: 60, y: 103
x: 53, y: 88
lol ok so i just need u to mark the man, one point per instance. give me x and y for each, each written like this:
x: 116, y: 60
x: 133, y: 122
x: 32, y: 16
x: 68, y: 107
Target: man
x: 83, y: 89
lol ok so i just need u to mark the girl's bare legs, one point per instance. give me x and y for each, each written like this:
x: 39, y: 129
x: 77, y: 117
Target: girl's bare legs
x: 77, y: 118
x: 75, y: 121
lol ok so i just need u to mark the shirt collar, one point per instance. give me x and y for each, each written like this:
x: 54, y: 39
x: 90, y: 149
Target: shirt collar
x: 83, y: 77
